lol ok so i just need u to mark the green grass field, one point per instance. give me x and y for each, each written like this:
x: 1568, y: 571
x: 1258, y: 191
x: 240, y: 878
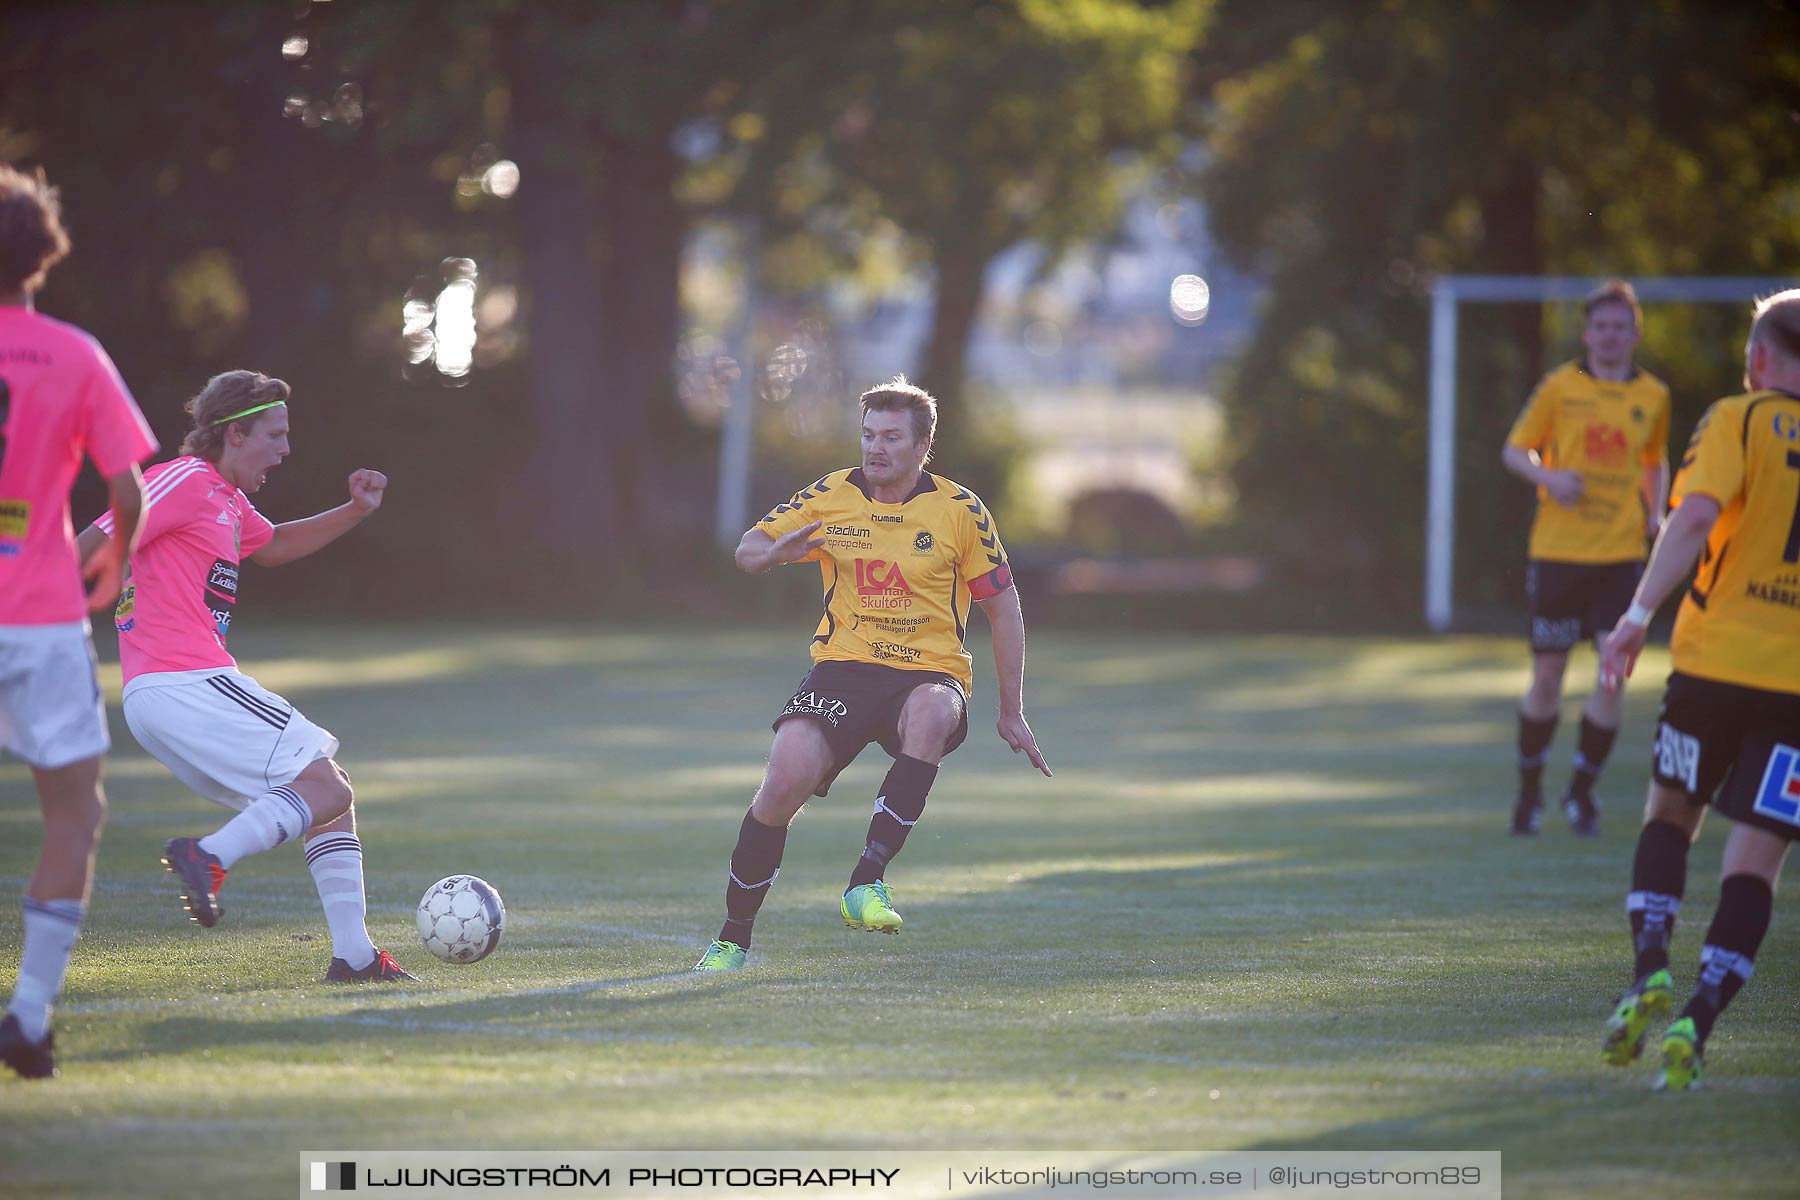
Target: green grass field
x: 1267, y: 902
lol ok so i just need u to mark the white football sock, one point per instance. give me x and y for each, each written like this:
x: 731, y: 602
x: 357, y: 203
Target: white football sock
x: 269, y: 821
x: 336, y: 863
x: 51, y: 927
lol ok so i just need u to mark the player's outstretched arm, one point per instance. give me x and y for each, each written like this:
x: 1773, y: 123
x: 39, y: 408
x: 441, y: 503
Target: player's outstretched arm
x: 1565, y: 487
x: 1683, y: 535
x: 104, y: 559
x: 758, y: 552
x: 297, y: 539
x: 1008, y: 623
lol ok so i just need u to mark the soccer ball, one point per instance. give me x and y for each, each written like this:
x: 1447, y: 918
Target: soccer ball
x: 461, y: 919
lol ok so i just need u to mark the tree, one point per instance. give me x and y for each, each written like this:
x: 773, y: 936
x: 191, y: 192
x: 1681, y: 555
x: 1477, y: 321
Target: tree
x: 975, y: 127
x: 1354, y: 152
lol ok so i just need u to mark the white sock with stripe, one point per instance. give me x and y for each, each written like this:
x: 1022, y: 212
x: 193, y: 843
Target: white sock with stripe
x: 271, y: 819
x: 51, y: 927
x: 336, y: 863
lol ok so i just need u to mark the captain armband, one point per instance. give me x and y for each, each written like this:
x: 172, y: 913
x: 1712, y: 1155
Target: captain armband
x: 986, y: 587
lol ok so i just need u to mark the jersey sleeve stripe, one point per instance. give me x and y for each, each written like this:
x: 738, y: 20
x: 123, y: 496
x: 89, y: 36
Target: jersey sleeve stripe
x: 167, y: 482
x: 164, y: 483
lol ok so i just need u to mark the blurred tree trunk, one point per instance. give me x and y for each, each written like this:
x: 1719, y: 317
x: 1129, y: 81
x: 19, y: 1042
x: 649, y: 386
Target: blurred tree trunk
x: 1508, y: 362
x: 639, y: 295
x: 564, y: 500
x: 1515, y: 246
x: 959, y: 260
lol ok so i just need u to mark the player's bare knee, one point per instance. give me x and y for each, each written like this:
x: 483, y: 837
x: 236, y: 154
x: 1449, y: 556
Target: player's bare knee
x: 343, y: 796
x: 1673, y: 806
x: 786, y: 787
x: 1546, y: 687
x: 76, y: 827
x: 929, y: 720
x: 777, y: 807
x: 326, y: 788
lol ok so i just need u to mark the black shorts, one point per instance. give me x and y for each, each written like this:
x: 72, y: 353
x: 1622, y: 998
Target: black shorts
x: 1747, y: 739
x: 1573, y: 603
x: 856, y: 703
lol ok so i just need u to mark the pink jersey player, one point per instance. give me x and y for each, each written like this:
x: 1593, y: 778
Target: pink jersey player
x: 197, y: 529
x: 60, y: 399
x: 220, y: 732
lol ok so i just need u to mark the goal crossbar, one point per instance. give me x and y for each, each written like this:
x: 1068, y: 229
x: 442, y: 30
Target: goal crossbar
x: 1448, y: 294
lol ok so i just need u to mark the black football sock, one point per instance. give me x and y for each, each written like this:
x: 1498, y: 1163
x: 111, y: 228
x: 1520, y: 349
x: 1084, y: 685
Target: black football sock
x: 1590, y: 755
x: 1534, y: 750
x: 1729, y: 956
x: 755, y: 862
x: 1658, y: 879
x: 897, y: 810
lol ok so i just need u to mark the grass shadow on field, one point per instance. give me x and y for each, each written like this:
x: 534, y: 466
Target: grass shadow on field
x: 1574, y: 1122
x: 1267, y: 902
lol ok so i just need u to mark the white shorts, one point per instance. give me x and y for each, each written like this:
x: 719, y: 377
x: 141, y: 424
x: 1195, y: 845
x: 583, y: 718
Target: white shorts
x: 222, y: 733
x: 51, y: 711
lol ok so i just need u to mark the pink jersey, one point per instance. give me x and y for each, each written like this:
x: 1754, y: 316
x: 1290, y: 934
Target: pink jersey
x: 175, y: 614
x: 60, y: 397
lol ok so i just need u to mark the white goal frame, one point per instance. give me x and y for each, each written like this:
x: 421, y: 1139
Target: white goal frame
x: 1448, y: 294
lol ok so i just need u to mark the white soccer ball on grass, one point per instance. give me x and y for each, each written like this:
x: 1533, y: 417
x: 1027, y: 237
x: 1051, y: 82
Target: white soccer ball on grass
x: 461, y: 919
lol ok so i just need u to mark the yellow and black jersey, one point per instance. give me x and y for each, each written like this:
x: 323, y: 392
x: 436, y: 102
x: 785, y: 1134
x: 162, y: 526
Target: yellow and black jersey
x: 899, y: 578
x: 1740, y: 622
x: 1609, y: 431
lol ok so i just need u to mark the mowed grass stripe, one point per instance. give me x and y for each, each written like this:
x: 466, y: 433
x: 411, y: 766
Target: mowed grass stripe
x: 1267, y: 902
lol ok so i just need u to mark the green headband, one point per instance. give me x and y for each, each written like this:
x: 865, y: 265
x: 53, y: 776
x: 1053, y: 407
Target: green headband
x: 251, y: 411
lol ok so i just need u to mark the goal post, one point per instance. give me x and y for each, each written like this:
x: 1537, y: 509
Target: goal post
x: 1448, y: 294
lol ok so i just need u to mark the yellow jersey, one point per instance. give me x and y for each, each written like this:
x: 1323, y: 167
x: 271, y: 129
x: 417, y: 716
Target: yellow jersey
x: 899, y: 578
x: 1609, y: 431
x: 1740, y: 622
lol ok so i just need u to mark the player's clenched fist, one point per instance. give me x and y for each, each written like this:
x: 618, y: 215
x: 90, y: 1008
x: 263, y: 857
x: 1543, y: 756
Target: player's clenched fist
x: 366, y: 489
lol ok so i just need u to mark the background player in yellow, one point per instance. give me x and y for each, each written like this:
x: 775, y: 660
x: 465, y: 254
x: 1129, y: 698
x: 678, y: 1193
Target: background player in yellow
x: 1594, y: 439
x: 1730, y: 723
x: 903, y: 555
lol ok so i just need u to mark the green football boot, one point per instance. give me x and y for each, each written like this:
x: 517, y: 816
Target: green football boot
x: 1629, y: 1024
x: 722, y: 956
x: 1681, y: 1058
x: 870, y: 907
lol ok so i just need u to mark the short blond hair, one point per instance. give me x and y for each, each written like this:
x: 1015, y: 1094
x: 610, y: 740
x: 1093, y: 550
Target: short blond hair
x: 230, y: 392
x: 1775, y: 324
x: 897, y: 395
x: 1614, y: 291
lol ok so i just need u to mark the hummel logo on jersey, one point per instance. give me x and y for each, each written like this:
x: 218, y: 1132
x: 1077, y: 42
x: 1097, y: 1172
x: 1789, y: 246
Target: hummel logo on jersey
x: 1678, y: 756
